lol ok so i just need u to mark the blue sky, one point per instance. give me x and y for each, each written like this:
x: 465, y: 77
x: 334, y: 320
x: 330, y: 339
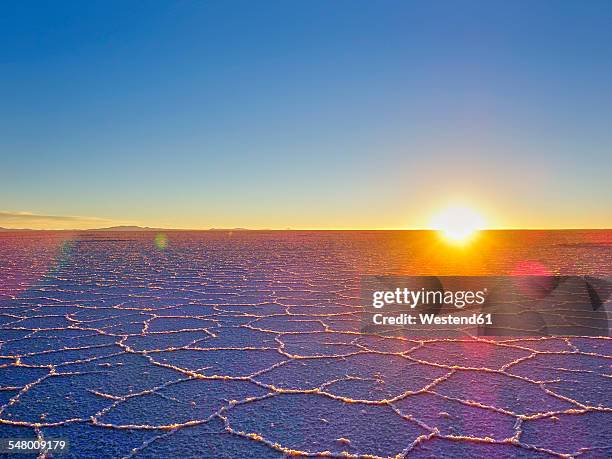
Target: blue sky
x: 274, y: 114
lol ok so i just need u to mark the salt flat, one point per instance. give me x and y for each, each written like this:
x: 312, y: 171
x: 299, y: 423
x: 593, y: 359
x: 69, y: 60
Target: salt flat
x: 248, y: 344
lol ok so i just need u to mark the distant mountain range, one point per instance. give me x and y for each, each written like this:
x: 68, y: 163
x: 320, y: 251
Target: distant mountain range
x: 146, y: 228
x: 129, y: 228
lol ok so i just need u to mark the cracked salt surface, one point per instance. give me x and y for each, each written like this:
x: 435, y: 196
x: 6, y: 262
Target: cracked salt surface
x: 248, y: 344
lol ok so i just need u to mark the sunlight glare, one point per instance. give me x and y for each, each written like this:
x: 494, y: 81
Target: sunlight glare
x: 458, y: 224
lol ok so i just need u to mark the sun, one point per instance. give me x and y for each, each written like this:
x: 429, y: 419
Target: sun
x: 458, y: 224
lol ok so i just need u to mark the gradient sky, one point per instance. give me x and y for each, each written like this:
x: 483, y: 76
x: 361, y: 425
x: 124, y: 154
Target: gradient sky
x: 312, y: 114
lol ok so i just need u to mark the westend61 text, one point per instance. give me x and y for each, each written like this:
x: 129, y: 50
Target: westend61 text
x: 432, y: 319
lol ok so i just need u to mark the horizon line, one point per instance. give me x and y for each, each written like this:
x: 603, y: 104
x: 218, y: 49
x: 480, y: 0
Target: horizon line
x: 130, y: 228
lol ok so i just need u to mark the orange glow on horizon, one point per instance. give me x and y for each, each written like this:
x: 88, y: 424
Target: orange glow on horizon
x: 458, y: 224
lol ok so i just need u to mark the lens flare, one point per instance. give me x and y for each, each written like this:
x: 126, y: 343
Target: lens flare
x: 161, y: 241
